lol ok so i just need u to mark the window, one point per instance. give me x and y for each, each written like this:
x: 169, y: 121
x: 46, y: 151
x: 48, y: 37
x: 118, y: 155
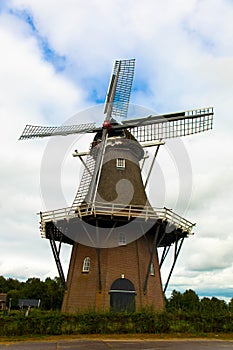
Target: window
x: 121, y: 239
x: 152, y: 269
x: 86, y: 264
x: 120, y: 163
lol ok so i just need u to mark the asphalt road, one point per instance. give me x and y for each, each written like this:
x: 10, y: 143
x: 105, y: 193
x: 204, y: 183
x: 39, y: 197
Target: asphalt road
x: 120, y: 345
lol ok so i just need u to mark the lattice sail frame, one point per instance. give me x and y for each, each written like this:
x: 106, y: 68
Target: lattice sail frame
x: 173, y: 125
x: 118, y: 95
x: 33, y: 131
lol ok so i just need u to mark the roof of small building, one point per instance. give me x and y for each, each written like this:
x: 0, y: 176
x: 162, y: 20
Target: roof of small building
x: 29, y: 302
x: 3, y: 297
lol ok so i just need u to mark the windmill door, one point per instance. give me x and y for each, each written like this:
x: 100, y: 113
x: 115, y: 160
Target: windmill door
x: 122, y: 295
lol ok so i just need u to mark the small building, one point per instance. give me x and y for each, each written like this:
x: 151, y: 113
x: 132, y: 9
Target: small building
x: 3, y: 301
x: 28, y: 303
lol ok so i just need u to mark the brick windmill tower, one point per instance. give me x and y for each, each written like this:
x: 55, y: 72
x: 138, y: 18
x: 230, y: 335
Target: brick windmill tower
x: 114, y: 230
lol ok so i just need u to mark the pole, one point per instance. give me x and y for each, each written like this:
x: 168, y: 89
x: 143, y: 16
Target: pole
x: 152, y: 164
x: 174, y: 262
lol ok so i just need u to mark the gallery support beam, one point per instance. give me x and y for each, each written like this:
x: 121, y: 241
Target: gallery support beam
x: 56, y: 254
x: 177, y: 249
x: 164, y: 255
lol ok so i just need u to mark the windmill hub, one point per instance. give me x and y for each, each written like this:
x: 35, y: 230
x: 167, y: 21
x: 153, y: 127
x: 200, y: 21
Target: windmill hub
x: 107, y: 125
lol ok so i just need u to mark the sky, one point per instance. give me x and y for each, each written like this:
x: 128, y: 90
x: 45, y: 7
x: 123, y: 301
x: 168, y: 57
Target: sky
x: 55, y: 64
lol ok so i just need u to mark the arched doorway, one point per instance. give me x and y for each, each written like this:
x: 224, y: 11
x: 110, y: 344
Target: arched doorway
x: 122, y: 295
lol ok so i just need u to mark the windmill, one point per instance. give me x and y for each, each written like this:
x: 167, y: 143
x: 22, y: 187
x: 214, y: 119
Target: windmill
x: 114, y: 230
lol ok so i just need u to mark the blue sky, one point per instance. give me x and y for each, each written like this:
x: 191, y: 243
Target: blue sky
x: 56, y: 60
x: 49, y: 54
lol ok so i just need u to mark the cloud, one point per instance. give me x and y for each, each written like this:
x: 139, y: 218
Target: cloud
x: 216, y: 254
x: 31, y: 91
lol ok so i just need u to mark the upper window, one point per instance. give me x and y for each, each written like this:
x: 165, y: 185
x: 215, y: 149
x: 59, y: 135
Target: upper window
x: 152, y: 269
x: 122, y: 239
x: 86, y: 264
x: 120, y: 163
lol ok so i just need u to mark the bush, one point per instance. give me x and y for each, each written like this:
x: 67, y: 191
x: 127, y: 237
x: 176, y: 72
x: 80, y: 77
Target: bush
x: 146, y: 321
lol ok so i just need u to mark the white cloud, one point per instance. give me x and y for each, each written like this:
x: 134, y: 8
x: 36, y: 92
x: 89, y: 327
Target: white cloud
x: 30, y: 92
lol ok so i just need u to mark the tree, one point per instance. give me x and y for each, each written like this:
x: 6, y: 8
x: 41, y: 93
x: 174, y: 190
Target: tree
x: 219, y: 306
x: 53, y: 295
x: 34, y: 289
x: 175, y: 301
x: 206, y: 306
x: 13, y: 297
x: 190, y: 301
x: 3, y: 286
x: 213, y: 306
x: 230, y: 306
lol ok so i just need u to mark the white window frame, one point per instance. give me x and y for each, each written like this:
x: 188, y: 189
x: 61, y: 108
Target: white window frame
x: 122, y: 239
x: 86, y: 264
x: 120, y: 163
x: 152, y: 269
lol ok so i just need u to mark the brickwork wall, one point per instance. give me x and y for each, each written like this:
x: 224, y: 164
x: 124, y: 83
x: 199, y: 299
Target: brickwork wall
x: 131, y: 260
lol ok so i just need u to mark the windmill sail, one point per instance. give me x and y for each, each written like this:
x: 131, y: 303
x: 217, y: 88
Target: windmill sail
x: 172, y: 125
x: 33, y: 131
x: 117, y: 99
x: 87, y: 175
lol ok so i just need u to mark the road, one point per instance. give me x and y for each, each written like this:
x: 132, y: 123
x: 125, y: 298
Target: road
x: 120, y: 345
